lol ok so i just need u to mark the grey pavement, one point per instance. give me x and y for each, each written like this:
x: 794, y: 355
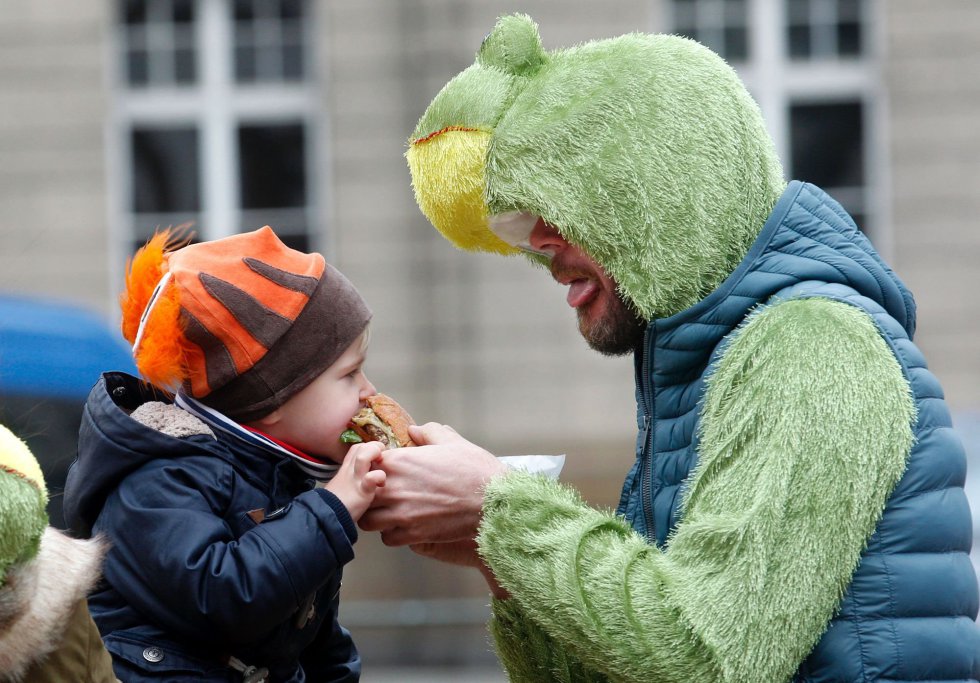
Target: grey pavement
x: 431, y: 675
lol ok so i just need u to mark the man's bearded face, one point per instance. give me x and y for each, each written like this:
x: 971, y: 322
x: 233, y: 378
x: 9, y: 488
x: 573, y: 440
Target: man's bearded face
x: 608, y: 324
x: 617, y: 332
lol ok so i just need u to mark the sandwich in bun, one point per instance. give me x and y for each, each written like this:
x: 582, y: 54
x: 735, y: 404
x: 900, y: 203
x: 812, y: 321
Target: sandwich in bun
x: 382, y: 420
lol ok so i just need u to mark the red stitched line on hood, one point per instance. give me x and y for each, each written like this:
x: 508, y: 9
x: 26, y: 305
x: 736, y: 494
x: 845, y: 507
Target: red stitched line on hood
x: 445, y: 130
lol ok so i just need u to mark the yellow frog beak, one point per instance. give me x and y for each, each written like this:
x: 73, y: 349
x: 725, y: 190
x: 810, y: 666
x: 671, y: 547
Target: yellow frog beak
x: 16, y: 457
x: 450, y: 186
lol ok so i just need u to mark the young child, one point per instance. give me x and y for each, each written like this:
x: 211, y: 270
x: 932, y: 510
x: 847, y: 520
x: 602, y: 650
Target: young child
x: 230, y: 510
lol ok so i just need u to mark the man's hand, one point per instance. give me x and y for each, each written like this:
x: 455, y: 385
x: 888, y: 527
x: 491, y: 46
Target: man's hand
x: 433, y: 493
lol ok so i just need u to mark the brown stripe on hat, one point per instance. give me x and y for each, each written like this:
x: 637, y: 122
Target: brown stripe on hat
x: 265, y: 325
x: 219, y: 367
x: 298, y: 283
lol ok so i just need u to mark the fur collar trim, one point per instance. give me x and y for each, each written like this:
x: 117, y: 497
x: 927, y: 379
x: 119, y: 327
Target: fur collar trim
x: 170, y: 420
x: 39, y: 596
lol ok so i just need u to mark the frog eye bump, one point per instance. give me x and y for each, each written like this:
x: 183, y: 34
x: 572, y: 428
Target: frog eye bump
x: 513, y: 46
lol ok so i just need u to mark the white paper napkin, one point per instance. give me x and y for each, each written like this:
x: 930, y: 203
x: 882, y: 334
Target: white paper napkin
x: 547, y: 465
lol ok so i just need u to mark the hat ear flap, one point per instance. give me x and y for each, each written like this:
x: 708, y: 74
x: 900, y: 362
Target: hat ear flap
x: 151, y: 319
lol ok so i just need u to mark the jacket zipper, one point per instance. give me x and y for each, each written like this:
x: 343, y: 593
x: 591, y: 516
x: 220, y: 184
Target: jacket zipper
x: 646, y: 466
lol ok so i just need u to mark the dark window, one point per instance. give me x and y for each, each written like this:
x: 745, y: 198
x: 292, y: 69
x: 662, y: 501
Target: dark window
x: 297, y: 241
x: 138, y: 67
x: 799, y: 42
x: 157, y: 41
x: 244, y: 11
x: 245, y: 69
x: 272, y: 160
x: 736, y: 43
x: 291, y: 9
x: 821, y: 29
x: 293, y: 54
x: 269, y: 40
x: 185, y: 66
x: 827, y: 142
x: 133, y: 11
x: 183, y: 11
x: 827, y: 145
x: 272, y: 163
x: 165, y: 170
x: 721, y: 25
x: 849, y: 32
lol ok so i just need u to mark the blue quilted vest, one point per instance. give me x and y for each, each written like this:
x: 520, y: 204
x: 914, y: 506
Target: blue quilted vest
x: 908, y: 614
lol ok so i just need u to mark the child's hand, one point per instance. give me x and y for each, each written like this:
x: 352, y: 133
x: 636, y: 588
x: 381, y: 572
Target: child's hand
x: 355, y: 482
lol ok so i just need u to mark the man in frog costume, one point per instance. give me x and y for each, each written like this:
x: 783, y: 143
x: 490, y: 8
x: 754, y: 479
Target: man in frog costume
x: 796, y: 510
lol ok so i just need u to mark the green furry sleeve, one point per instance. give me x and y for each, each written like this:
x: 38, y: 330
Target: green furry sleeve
x: 806, y: 429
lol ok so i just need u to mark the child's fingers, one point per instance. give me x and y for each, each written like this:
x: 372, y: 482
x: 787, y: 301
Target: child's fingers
x: 376, y: 478
x: 369, y: 449
x: 365, y: 456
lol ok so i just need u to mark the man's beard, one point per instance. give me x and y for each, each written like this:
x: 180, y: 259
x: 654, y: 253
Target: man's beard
x: 618, y: 333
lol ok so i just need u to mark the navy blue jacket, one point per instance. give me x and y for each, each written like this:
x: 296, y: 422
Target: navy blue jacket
x: 191, y: 577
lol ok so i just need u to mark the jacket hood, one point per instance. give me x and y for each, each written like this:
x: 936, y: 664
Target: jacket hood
x: 111, y: 445
x: 645, y: 150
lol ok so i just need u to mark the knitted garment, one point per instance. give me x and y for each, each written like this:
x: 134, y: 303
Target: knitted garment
x: 242, y: 323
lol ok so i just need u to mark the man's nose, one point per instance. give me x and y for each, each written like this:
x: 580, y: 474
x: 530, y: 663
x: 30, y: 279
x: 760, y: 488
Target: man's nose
x: 546, y: 239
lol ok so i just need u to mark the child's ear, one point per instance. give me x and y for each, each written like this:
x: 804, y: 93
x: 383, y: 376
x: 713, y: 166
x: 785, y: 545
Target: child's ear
x: 268, y: 420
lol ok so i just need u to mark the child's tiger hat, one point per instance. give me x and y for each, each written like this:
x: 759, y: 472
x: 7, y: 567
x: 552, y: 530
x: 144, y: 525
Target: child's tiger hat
x: 241, y: 323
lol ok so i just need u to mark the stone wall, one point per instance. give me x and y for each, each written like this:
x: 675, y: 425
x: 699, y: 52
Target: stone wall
x: 53, y: 108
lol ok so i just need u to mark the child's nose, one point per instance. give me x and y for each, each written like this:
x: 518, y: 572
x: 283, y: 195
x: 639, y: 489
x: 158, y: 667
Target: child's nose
x: 367, y: 389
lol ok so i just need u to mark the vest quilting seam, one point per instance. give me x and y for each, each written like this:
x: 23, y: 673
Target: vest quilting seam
x: 878, y: 278
x: 906, y: 305
x: 840, y: 272
x: 892, y: 608
x: 919, y: 492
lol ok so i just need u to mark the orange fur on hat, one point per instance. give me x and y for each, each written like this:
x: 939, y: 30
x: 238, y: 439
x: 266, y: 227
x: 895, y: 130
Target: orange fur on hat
x: 164, y: 355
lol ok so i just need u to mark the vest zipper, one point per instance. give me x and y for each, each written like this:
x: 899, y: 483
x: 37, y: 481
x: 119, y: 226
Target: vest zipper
x: 646, y: 466
x: 646, y: 496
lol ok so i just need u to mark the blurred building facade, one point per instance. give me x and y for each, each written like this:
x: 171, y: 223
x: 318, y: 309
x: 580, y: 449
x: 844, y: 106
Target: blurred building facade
x: 118, y: 117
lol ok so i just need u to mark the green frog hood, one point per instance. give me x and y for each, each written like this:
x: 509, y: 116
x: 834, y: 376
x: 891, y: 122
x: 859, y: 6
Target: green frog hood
x: 624, y: 145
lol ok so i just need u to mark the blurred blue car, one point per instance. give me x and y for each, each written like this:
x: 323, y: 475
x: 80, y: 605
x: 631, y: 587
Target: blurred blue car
x: 51, y: 353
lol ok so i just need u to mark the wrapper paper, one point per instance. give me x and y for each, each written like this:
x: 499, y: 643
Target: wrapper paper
x: 546, y: 465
